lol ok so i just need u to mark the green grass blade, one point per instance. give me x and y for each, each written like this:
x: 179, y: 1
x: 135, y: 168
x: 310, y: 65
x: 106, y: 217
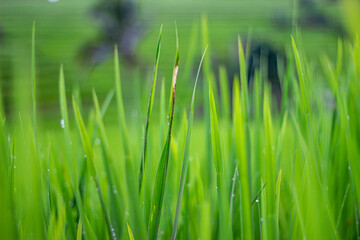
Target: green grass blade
x: 131, y: 235
x: 162, y: 112
x: 90, y: 162
x: 186, y: 153
x: 339, y: 59
x: 268, y: 169
x: 64, y: 122
x: 232, y: 194
x: 160, y: 180
x: 33, y: 79
x: 120, y: 106
x: 241, y: 156
x: 107, y: 101
x: 2, y: 113
x: 243, y: 79
x: 224, y: 89
x: 215, y: 138
x: 277, y: 201
x: 217, y: 156
x: 139, y: 228
x: 79, y: 231
x: 116, y: 212
x: 151, y: 101
x: 302, y: 82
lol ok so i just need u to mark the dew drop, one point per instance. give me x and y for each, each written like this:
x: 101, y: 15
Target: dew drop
x: 115, y: 191
x: 62, y: 123
x: 97, y: 141
x: 233, y: 195
x: 233, y: 179
x: 257, y: 200
x: 85, y: 156
x: 14, y: 166
x: 348, y: 117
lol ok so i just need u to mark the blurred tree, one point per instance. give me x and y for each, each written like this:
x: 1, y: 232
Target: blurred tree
x: 119, y: 24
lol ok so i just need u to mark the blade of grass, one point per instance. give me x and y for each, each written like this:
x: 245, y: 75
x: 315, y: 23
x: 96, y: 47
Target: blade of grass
x: 131, y: 236
x: 2, y: 113
x: 208, y: 75
x: 139, y: 228
x: 231, y: 204
x: 239, y: 122
x: 79, y: 231
x: 33, y: 79
x: 224, y: 89
x: 120, y: 106
x: 150, y: 105
x: 302, y: 82
x: 243, y: 79
x: 277, y: 201
x: 109, y: 166
x: 186, y: 153
x: 217, y: 155
x: 64, y: 122
x: 90, y: 162
x: 160, y: 180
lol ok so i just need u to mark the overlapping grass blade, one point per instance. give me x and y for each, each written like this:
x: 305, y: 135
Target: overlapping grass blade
x: 243, y: 79
x: 33, y: 80
x: 128, y: 160
x: 64, y: 122
x: 79, y: 230
x: 277, y: 201
x: 131, y: 235
x: 224, y: 89
x: 116, y: 212
x: 120, y: 106
x: 223, y: 204
x: 160, y: 180
x: 302, y: 81
x: 268, y: 170
x: 90, y: 162
x: 150, y: 105
x: 241, y: 156
x: 186, y: 153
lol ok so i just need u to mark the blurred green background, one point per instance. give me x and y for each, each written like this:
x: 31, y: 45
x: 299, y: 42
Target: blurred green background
x: 64, y: 27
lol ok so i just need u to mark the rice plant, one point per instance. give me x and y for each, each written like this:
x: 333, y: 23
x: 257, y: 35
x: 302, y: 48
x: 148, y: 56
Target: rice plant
x: 231, y: 165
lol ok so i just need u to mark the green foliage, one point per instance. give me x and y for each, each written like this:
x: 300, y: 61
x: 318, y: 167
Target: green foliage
x: 235, y: 168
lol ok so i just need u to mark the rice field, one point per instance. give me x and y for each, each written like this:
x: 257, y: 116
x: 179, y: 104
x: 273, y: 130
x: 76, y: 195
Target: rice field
x: 224, y: 161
